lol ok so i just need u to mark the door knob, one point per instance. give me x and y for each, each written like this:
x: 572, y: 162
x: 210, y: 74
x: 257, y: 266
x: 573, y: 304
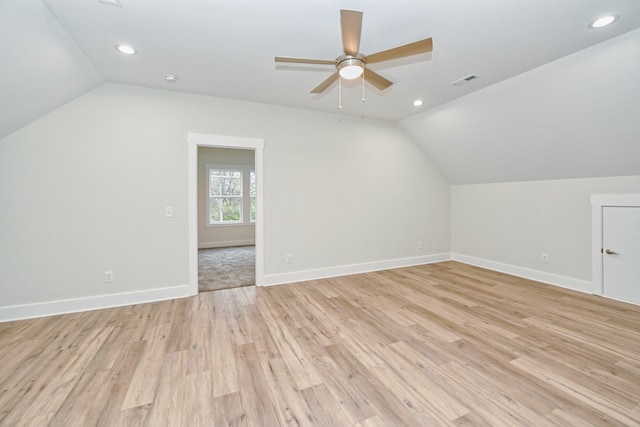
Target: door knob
x: 610, y: 252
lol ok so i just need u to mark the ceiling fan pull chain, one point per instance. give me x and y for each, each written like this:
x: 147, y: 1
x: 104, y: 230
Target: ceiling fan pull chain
x: 340, y: 93
x: 363, y: 85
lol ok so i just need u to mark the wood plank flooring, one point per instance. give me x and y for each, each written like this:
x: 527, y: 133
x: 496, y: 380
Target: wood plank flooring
x: 435, y: 345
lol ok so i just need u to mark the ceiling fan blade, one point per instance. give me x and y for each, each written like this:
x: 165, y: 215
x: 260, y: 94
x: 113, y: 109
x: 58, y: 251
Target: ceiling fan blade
x: 325, y: 84
x: 422, y: 46
x: 376, y: 79
x: 351, y: 29
x: 305, y: 60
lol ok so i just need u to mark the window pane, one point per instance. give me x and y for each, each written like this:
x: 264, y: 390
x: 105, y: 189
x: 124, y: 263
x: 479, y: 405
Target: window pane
x: 226, y: 209
x: 252, y: 184
x: 252, y: 194
x: 224, y: 182
x: 253, y: 209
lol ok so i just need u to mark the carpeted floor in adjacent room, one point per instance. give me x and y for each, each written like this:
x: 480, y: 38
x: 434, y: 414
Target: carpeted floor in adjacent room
x: 223, y: 268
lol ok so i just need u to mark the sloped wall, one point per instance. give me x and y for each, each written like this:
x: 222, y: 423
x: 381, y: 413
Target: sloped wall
x: 42, y: 67
x: 576, y: 117
x: 526, y: 154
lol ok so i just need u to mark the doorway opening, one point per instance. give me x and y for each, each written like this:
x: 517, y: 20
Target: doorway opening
x: 226, y: 218
x: 255, y: 145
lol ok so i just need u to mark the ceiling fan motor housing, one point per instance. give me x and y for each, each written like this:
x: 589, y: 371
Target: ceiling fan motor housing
x: 349, y: 66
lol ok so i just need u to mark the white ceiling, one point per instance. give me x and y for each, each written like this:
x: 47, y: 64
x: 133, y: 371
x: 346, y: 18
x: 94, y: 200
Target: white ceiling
x: 226, y: 48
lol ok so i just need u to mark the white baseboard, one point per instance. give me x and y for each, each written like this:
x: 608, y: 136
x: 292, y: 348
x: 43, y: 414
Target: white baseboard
x: 225, y: 244
x: 52, y: 308
x: 539, y: 276
x: 345, y: 270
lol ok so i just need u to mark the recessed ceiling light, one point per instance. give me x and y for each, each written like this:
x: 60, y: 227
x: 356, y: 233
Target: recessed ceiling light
x: 171, y: 78
x: 417, y: 102
x: 604, y: 21
x: 126, y: 49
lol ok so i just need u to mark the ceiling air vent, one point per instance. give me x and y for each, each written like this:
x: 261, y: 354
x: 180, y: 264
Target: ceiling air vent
x: 464, y: 80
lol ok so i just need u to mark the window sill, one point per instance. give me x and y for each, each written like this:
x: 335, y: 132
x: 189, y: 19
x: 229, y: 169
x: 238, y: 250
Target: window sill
x: 233, y: 224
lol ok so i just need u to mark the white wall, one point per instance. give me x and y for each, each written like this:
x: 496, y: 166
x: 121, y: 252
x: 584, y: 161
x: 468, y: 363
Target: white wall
x: 221, y: 235
x: 80, y: 194
x: 532, y: 149
x: 507, y: 226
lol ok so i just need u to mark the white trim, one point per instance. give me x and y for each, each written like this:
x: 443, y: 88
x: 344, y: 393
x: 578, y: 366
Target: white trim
x: 229, y: 224
x: 226, y: 243
x: 615, y: 200
x: 196, y: 140
x: 527, y: 273
x: 599, y: 201
x: 345, y: 270
x: 52, y: 308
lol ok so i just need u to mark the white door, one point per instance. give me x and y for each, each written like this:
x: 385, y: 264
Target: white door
x: 621, y: 253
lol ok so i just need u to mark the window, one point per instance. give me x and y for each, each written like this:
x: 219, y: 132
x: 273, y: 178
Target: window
x: 252, y: 194
x: 225, y: 196
x: 231, y: 193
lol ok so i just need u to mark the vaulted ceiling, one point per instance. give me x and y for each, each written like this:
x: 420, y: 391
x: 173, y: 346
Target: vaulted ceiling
x: 59, y: 49
x: 553, y: 98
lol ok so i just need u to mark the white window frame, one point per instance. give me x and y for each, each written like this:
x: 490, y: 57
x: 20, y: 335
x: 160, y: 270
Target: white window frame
x: 252, y: 199
x: 245, y: 219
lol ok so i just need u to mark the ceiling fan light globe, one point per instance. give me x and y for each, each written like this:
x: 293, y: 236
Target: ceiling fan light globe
x: 350, y: 67
x: 351, y: 72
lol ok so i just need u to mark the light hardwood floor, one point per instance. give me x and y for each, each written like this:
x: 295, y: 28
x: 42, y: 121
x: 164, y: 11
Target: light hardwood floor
x: 440, y: 344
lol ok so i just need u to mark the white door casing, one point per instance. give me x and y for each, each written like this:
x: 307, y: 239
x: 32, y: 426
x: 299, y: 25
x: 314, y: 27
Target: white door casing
x: 196, y: 140
x: 621, y: 253
x: 616, y: 227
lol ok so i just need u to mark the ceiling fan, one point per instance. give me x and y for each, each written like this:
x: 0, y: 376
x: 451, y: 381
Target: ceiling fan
x: 352, y: 64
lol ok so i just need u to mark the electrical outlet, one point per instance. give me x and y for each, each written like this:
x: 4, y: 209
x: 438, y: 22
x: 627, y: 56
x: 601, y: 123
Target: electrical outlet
x: 419, y: 244
x: 544, y: 258
x: 168, y: 212
x: 288, y: 259
x: 108, y: 277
